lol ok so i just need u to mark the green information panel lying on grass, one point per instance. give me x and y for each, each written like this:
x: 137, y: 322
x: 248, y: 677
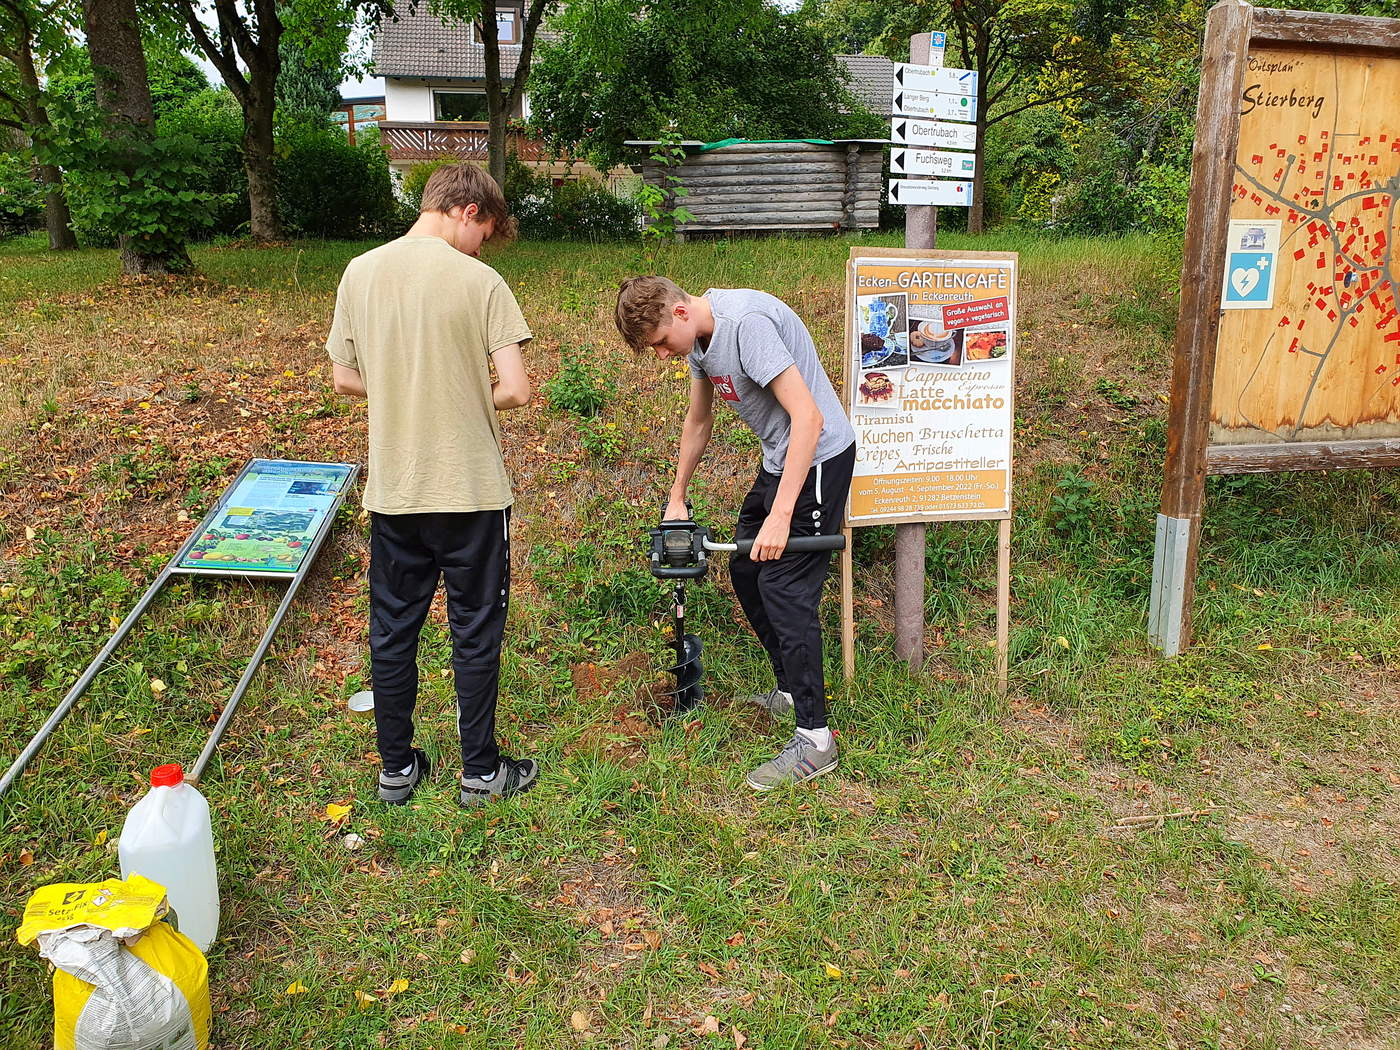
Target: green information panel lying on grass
x: 267, y: 519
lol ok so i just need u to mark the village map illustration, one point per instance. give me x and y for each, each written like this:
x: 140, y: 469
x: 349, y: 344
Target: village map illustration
x: 1309, y: 341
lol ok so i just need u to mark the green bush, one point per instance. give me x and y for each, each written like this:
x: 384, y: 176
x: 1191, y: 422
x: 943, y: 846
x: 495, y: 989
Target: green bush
x: 214, y: 121
x: 581, y: 385
x: 328, y: 188
x: 21, y: 196
x: 577, y: 209
x: 124, y: 184
x: 574, y: 209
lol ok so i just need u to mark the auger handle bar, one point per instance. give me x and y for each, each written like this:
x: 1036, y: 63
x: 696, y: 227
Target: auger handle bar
x: 799, y: 544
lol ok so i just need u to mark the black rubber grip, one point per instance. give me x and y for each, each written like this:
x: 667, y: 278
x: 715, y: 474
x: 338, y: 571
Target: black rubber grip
x: 800, y: 544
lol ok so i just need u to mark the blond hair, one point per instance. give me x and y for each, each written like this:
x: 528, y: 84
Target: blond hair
x: 458, y: 184
x: 644, y: 307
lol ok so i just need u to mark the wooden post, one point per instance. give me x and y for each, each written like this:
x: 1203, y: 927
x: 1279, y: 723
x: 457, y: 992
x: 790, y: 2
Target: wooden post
x: 910, y: 541
x: 1003, y: 601
x: 1224, y: 62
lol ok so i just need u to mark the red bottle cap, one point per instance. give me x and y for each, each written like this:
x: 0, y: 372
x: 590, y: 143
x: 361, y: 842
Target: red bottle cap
x: 167, y: 776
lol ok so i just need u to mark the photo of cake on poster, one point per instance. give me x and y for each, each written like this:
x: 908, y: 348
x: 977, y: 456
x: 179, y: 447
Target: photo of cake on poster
x: 929, y: 385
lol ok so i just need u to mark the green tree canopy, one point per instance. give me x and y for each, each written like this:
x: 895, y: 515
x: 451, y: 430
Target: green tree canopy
x: 173, y: 75
x: 622, y: 69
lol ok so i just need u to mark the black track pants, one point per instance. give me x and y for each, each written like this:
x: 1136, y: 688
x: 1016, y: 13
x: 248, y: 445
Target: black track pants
x: 781, y: 597
x: 408, y: 552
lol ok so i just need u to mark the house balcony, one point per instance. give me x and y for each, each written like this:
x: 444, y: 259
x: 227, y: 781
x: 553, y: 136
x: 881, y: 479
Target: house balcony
x: 411, y: 141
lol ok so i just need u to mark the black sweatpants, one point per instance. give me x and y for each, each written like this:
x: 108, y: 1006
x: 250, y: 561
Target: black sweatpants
x: 780, y: 597
x: 408, y: 552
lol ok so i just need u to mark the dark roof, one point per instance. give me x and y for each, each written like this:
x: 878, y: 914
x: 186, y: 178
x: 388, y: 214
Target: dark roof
x: 872, y: 80
x: 422, y: 45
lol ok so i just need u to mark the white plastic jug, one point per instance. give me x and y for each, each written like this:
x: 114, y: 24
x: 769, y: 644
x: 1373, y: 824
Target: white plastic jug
x: 167, y: 838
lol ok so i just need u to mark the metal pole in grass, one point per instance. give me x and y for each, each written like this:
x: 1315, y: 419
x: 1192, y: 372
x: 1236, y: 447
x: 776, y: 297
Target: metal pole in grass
x: 81, y: 685
x: 226, y: 716
x: 910, y: 541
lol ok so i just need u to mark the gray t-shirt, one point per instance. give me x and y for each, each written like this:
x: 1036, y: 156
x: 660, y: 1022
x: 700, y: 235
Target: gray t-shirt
x: 757, y: 336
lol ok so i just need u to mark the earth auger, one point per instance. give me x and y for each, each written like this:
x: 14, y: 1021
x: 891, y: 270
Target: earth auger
x: 680, y: 551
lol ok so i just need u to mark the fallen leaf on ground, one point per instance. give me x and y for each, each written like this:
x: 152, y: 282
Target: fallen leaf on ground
x: 834, y: 972
x: 295, y: 988
x: 364, y: 998
x: 580, y: 1020
x: 397, y: 986
x: 336, y: 812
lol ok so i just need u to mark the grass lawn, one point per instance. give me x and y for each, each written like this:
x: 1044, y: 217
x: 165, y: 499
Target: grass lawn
x: 970, y: 876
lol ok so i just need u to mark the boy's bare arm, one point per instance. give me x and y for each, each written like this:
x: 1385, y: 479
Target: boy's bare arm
x: 347, y: 380
x: 511, y: 388
x: 695, y: 435
x: 792, y: 393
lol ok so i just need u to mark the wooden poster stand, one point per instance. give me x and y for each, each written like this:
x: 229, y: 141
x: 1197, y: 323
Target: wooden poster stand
x: 1002, y: 518
x: 1251, y: 390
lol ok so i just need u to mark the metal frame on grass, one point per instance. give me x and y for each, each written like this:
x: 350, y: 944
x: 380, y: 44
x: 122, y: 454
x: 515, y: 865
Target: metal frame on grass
x: 295, y: 578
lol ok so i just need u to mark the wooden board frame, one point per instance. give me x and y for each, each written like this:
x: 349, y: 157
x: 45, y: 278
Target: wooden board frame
x: 1233, y: 27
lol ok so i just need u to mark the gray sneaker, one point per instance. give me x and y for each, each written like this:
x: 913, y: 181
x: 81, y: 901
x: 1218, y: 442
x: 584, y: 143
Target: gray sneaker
x: 397, y: 788
x: 776, y: 702
x: 799, y: 760
x: 512, y: 777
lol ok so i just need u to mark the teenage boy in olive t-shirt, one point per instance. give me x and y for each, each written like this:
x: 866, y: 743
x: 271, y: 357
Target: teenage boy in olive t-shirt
x: 431, y: 336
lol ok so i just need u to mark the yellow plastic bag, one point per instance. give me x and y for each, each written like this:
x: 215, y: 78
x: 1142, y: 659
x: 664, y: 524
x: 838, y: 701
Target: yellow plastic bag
x: 123, y: 980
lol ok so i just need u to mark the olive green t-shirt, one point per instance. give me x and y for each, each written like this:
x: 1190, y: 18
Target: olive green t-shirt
x: 420, y: 320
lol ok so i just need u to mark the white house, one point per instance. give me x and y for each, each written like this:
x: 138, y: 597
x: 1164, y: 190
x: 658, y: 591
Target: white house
x: 435, y: 87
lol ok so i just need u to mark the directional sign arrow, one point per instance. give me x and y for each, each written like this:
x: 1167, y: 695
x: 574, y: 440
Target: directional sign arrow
x: 930, y: 191
x: 936, y: 104
x: 932, y: 162
x: 944, y: 79
x: 933, y: 133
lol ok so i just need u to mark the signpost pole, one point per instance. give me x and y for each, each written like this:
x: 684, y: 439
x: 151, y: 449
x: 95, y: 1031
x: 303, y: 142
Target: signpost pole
x: 911, y: 541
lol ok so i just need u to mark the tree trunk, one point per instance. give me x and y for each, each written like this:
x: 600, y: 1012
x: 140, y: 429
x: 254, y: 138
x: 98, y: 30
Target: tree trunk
x: 124, y: 92
x: 976, y: 213
x: 495, y: 96
x: 496, y: 141
x: 266, y: 222
x: 57, y: 219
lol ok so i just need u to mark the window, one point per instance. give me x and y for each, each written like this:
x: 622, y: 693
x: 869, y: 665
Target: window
x: 507, y: 26
x: 459, y: 105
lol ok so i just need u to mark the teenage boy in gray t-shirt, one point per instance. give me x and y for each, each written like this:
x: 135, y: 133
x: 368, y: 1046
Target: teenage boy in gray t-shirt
x: 749, y: 349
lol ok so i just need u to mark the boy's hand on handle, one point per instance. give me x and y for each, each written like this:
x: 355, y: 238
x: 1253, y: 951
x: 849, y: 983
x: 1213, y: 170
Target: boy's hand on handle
x: 772, y: 538
x: 676, y: 510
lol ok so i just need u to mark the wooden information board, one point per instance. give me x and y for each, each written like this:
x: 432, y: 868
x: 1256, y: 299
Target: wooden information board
x: 1287, y: 353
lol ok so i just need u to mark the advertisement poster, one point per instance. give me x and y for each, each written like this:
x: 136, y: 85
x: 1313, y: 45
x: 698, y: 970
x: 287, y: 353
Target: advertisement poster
x: 267, y: 520
x: 930, y: 385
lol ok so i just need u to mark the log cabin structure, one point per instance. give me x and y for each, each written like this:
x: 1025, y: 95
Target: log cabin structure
x: 741, y: 186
